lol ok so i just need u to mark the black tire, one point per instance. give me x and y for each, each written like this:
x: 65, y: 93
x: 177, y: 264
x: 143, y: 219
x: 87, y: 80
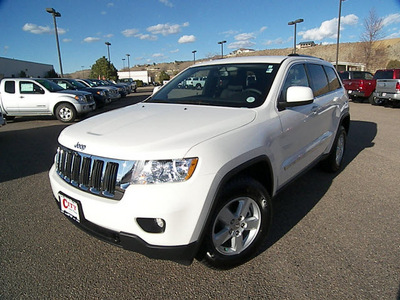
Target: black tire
x: 376, y: 101
x: 335, y: 159
x: 10, y: 118
x: 66, y: 112
x: 239, y: 225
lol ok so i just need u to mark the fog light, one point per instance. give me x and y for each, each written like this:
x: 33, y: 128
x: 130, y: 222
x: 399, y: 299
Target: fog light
x: 152, y: 225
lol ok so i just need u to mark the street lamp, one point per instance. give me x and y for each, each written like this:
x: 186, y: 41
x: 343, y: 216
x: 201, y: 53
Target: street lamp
x: 109, y: 62
x: 108, y: 50
x: 129, y: 69
x: 295, y: 22
x: 123, y: 63
x: 194, y: 56
x: 56, y: 14
x: 222, y: 48
x: 338, y: 33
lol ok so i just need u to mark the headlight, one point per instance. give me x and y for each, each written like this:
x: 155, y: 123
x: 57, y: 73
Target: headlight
x: 101, y: 93
x: 162, y: 171
x: 80, y: 98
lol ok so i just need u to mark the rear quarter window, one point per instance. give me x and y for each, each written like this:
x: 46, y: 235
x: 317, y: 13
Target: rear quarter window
x: 9, y: 87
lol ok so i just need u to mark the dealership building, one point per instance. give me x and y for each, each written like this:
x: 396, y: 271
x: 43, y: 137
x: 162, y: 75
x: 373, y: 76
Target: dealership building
x: 19, y: 68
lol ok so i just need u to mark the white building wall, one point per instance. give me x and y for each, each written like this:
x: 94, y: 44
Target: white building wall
x: 13, y: 67
x: 136, y: 75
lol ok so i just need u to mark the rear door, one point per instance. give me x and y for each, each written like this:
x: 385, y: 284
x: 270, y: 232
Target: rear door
x: 299, y: 126
x: 10, y: 97
x: 308, y: 129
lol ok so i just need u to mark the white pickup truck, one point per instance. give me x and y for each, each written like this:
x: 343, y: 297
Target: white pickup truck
x: 38, y: 97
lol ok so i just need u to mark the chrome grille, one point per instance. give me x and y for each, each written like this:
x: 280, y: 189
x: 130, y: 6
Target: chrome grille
x: 97, y: 175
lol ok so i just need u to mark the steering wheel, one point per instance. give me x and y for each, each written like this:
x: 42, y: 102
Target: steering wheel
x: 252, y: 91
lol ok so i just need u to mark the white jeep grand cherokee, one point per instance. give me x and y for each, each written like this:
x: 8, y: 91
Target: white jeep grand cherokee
x: 191, y: 172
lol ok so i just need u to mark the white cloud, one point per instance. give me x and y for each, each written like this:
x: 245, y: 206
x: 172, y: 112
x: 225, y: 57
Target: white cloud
x: 278, y: 41
x: 37, y: 29
x: 391, y: 19
x: 262, y: 29
x: 243, y: 40
x: 241, y: 44
x: 130, y: 32
x: 185, y: 39
x: 110, y: 4
x: 147, y: 37
x: 174, y: 51
x: 328, y: 29
x: 90, y: 39
x: 166, y: 3
x: 166, y: 29
x: 230, y: 32
x: 110, y: 35
x: 245, y: 36
x: 67, y: 40
x: 394, y: 35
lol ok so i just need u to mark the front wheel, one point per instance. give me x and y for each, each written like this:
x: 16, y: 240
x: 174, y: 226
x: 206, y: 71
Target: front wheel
x: 239, y: 225
x: 65, y: 112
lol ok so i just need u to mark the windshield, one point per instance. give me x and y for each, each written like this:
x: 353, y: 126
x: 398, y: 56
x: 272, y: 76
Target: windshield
x: 51, y: 86
x: 231, y: 85
x: 77, y: 84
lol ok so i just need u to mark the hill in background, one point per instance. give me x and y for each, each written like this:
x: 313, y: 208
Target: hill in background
x: 348, y: 52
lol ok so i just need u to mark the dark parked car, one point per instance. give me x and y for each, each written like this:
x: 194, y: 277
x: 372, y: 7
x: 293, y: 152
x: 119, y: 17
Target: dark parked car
x: 99, y: 95
x: 122, y: 89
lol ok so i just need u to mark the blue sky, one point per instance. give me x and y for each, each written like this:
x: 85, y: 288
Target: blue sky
x: 168, y: 30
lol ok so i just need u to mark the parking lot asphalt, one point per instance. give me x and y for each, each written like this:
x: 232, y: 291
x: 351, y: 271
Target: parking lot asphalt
x: 334, y: 236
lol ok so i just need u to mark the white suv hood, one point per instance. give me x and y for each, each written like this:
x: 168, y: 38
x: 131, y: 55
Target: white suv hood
x: 152, y: 131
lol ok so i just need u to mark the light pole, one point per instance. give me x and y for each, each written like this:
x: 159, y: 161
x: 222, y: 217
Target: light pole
x: 129, y: 69
x: 295, y: 22
x: 123, y: 63
x: 109, y: 62
x: 222, y: 48
x: 338, y: 33
x: 56, y: 14
x: 194, y: 56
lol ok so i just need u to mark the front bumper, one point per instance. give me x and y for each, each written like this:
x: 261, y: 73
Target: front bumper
x: 83, y: 108
x: 181, y: 205
x: 180, y: 254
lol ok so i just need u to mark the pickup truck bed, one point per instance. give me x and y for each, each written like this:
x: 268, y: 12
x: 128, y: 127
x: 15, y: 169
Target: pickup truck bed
x: 387, y: 90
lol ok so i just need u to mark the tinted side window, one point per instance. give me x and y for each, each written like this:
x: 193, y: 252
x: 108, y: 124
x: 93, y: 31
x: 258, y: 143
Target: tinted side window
x: 319, y: 82
x: 334, y: 83
x: 385, y: 74
x: 10, y: 87
x: 296, y: 76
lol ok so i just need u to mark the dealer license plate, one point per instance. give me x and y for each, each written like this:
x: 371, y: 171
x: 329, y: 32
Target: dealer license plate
x: 69, y: 207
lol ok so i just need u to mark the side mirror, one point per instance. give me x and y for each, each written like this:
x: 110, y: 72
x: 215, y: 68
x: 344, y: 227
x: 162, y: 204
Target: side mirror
x: 297, y: 96
x: 156, y: 89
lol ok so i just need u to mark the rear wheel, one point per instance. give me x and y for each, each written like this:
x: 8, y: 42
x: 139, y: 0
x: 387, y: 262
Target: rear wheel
x: 334, y: 161
x: 239, y: 225
x: 375, y: 101
x: 65, y: 112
